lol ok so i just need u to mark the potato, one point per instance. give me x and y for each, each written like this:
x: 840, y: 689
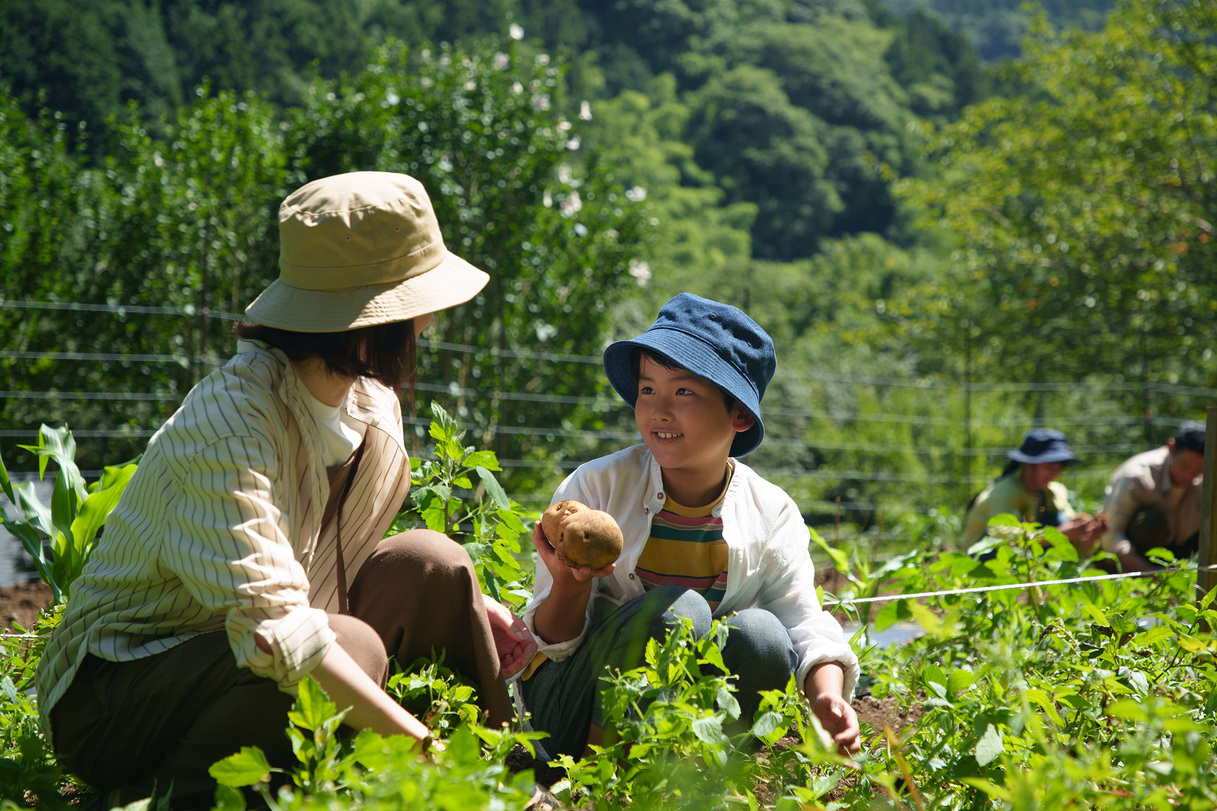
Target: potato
x: 580, y: 535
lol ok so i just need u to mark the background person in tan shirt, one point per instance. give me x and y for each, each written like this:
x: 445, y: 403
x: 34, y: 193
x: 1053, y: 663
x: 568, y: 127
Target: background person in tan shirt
x: 247, y: 551
x: 1154, y: 500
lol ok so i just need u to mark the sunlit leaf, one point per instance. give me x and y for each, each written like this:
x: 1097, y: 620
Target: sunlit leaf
x: 246, y: 768
x: 990, y: 745
x: 493, y: 489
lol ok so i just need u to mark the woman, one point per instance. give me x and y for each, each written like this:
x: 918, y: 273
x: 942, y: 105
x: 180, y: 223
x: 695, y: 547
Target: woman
x: 1028, y: 489
x: 247, y: 551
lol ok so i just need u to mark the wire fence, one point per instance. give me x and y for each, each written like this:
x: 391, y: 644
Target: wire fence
x: 854, y: 455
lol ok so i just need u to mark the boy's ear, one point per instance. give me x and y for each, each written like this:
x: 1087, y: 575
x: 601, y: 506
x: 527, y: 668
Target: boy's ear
x: 741, y: 418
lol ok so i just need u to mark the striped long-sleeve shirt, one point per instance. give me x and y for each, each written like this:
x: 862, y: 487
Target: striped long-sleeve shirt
x: 218, y: 529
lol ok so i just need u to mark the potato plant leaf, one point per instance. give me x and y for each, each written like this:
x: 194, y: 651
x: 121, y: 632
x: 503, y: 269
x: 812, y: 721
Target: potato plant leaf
x: 246, y: 768
x: 493, y: 489
x: 958, y: 681
x: 895, y: 611
x: 709, y: 729
x: 766, y: 725
x: 989, y: 746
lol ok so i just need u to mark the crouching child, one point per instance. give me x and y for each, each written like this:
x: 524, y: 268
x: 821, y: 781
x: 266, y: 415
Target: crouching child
x: 704, y: 537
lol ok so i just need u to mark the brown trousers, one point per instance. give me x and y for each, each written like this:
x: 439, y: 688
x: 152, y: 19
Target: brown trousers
x: 163, y: 720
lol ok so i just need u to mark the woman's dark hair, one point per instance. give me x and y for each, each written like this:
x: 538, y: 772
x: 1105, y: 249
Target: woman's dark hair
x: 383, y: 352
x: 1011, y: 466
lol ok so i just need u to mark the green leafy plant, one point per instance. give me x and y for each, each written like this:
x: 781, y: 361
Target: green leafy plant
x: 75, y: 516
x: 1094, y: 693
x: 679, y: 709
x: 456, y: 493
x: 29, y: 773
x: 371, y: 771
x: 865, y: 579
x: 435, y: 694
x: 1023, y: 692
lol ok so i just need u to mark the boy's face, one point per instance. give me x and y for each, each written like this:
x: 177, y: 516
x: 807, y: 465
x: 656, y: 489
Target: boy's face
x: 685, y: 422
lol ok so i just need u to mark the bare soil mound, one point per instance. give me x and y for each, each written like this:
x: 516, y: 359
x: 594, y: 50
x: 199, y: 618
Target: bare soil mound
x: 20, y: 604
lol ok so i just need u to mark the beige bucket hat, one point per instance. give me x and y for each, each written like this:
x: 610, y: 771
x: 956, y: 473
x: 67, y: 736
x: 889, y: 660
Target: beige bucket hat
x: 359, y: 249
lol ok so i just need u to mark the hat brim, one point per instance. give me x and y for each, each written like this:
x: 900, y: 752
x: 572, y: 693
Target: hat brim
x: 695, y: 355
x: 1064, y: 457
x: 453, y: 281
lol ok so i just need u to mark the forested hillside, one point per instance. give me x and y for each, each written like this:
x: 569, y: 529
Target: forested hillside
x: 995, y: 28
x: 941, y: 265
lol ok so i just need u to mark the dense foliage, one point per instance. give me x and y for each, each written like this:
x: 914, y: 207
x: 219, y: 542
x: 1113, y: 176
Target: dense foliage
x: 182, y: 224
x: 1033, y: 693
x: 862, y: 81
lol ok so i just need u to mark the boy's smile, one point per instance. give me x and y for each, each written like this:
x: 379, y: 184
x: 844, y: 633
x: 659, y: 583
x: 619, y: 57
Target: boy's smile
x: 685, y: 423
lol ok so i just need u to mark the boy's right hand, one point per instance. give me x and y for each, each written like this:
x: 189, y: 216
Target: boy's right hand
x: 558, y: 569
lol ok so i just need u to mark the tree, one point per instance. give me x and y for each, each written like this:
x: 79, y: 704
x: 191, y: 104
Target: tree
x: 836, y: 70
x: 130, y: 263
x: 767, y: 151
x: 697, y: 240
x: 486, y: 132
x: 996, y: 27
x: 48, y: 231
x: 1084, y: 209
x: 935, y: 65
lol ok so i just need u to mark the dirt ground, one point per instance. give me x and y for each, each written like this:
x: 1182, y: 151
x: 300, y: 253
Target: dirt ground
x: 20, y: 604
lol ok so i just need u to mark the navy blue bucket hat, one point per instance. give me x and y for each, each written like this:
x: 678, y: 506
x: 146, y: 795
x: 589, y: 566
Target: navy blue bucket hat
x: 1043, y: 445
x: 1190, y: 437
x: 712, y: 340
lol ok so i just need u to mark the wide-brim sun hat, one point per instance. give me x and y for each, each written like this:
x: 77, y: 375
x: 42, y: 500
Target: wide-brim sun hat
x: 1042, y: 445
x: 712, y: 340
x: 360, y: 249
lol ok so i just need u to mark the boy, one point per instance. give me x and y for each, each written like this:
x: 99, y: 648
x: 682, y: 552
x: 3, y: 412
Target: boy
x: 704, y: 536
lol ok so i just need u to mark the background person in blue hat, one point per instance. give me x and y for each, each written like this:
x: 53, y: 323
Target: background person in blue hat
x: 1154, y: 500
x: 1028, y: 489
x: 705, y: 536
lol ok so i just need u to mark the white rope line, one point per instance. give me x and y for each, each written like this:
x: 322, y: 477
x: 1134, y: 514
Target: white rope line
x: 1008, y: 586
x: 943, y: 593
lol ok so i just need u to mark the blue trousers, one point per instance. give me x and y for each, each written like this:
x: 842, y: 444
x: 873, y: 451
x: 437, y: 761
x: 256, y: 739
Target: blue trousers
x: 564, y: 697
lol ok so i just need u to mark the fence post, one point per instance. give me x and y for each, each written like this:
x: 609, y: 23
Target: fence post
x: 1206, y: 578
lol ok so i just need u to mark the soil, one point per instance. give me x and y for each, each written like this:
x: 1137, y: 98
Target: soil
x: 20, y: 604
